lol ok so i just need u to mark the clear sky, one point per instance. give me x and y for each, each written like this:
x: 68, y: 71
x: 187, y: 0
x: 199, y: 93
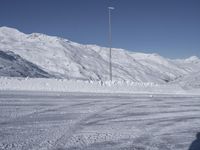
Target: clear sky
x: 170, y: 28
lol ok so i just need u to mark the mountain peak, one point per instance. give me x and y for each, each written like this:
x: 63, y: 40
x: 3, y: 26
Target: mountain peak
x: 6, y: 29
x: 9, y: 31
x: 192, y: 59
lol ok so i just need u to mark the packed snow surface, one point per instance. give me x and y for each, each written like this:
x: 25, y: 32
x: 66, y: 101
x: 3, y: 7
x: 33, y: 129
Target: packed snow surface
x: 62, y: 58
x: 69, y: 121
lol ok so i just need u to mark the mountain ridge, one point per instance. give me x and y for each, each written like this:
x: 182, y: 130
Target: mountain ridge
x: 66, y: 59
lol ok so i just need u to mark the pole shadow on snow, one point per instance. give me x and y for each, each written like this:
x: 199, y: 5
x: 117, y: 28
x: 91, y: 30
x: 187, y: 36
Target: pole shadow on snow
x: 196, y: 143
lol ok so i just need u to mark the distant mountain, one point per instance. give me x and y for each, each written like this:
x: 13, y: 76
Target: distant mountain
x: 62, y: 58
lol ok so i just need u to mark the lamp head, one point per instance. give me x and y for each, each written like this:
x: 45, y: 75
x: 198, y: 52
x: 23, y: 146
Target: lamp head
x: 111, y: 8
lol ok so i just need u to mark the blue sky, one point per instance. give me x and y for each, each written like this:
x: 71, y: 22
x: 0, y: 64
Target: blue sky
x: 170, y: 28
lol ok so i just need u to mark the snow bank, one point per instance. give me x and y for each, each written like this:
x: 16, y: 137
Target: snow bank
x: 63, y: 85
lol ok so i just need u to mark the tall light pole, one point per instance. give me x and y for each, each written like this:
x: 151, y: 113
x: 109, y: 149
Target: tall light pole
x: 110, y: 40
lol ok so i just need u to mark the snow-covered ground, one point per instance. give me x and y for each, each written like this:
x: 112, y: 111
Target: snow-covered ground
x: 66, y: 121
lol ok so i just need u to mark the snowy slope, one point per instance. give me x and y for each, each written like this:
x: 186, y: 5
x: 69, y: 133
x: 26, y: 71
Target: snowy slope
x: 66, y: 59
x: 191, y: 81
x: 15, y: 66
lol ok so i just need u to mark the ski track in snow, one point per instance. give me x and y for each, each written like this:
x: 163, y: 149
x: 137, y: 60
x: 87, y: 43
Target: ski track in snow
x: 65, y: 121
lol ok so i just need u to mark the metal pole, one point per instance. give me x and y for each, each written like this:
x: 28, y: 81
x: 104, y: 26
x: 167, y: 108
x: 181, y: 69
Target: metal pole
x: 110, y: 41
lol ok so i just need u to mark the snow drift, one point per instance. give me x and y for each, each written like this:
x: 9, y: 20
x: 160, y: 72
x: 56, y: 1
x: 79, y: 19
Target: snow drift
x: 63, y: 85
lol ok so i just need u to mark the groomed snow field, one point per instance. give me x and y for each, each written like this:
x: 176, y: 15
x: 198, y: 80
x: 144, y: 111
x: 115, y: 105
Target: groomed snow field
x: 85, y: 121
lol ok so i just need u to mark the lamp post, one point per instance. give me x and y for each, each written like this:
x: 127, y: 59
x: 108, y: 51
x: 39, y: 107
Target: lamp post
x: 110, y: 41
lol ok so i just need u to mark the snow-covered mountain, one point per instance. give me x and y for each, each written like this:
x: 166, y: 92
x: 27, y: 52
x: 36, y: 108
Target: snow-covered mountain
x: 62, y: 58
x: 191, y: 81
x: 13, y: 65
